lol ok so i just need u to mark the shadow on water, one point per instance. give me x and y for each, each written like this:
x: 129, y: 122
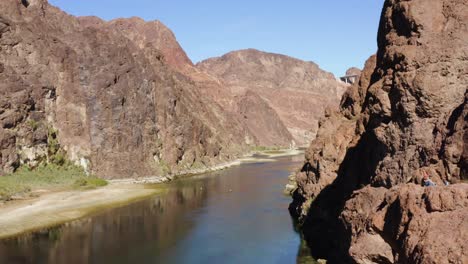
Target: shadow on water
x: 235, y: 216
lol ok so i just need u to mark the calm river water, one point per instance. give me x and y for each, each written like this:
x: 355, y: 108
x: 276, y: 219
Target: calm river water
x: 238, y: 215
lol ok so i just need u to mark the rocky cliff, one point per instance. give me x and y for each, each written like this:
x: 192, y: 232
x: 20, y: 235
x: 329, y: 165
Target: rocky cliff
x: 298, y: 91
x: 83, y: 90
x: 360, y: 198
x: 254, y: 118
x: 156, y: 35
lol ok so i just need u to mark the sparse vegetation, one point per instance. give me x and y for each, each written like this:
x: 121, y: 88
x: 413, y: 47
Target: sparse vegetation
x: 90, y: 183
x: 50, y: 176
x: 54, y: 152
x: 273, y: 151
x: 33, y: 124
x: 265, y: 148
x: 198, y: 165
x: 268, y: 150
x: 164, y: 167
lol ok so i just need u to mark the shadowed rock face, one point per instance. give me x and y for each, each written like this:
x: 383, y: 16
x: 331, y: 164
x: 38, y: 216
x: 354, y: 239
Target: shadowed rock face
x: 360, y: 184
x: 114, y: 105
x: 298, y: 91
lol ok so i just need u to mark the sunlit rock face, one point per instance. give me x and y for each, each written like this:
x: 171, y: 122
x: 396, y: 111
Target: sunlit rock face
x: 113, y: 104
x: 297, y: 90
x: 259, y: 123
x: 361, y: 182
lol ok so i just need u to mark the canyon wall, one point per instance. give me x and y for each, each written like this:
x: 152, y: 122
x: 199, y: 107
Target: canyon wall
x: 81, y: 90
x: 297, y: 90
x: 121, y: 98
x: 259, y: 123
x: 359, y: 196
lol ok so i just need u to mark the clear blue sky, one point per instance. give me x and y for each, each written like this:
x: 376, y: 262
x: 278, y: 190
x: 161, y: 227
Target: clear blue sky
x: 334, y: 34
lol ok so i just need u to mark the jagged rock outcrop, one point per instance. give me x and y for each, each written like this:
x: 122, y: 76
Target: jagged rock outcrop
x: 82, y: 88
x: 298, y: 91
x: 156, y: 35
x: 408, y: 224
x: 359, y: 195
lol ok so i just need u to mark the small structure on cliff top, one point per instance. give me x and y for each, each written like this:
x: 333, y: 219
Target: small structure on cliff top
x: 350, y: 79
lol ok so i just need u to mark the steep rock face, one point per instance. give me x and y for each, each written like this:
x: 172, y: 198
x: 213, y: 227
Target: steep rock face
x: 261, y: 120
x: 289, y: 85
x: 247, y: 114
x: 408, y: 114
x: 156, y: 35
x: 110, y: 105
x: 338, y: 131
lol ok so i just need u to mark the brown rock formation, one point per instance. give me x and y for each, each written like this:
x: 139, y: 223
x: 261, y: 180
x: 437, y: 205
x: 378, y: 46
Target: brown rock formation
x: 156, y: 35
x: 108, y: 94
x: 262, y: 121
x: 290, y: 86
x: 248, y: 113
x: 408, y: 224
x: 83, y: 89
x: 358, y: 196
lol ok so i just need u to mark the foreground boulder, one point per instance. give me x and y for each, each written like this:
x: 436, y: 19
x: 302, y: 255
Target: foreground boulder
x: 359, y: 196
x: 408, y: 224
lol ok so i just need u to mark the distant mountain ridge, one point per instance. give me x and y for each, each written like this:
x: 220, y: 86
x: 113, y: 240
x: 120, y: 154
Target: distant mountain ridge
x: 297, y: 90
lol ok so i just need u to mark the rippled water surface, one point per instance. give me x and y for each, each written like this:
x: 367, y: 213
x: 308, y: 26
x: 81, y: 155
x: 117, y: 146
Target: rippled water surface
x: 234, y: 216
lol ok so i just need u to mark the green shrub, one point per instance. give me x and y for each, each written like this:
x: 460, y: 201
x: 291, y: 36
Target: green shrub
x: 33, y: 124
x: 164, y: 167
x: 89, y: 183
x: 198, y: 165
x: 58, y: 159
x: 52, y: 142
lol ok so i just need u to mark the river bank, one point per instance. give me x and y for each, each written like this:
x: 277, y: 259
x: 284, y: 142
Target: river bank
x: 253, y: 156
x: 51, y: 208
x: 196, y: 219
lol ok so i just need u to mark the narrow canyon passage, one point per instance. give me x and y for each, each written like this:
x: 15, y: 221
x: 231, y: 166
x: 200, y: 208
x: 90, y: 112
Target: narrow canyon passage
x: 234, y: 216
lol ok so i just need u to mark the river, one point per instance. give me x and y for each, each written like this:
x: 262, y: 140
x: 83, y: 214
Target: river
x: 238, y: 215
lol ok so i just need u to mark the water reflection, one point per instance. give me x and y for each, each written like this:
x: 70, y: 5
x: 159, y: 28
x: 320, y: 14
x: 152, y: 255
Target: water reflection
x: 235, y: 216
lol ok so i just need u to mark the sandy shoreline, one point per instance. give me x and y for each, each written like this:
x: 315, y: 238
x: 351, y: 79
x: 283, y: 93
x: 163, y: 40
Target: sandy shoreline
x: 55, y: 208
